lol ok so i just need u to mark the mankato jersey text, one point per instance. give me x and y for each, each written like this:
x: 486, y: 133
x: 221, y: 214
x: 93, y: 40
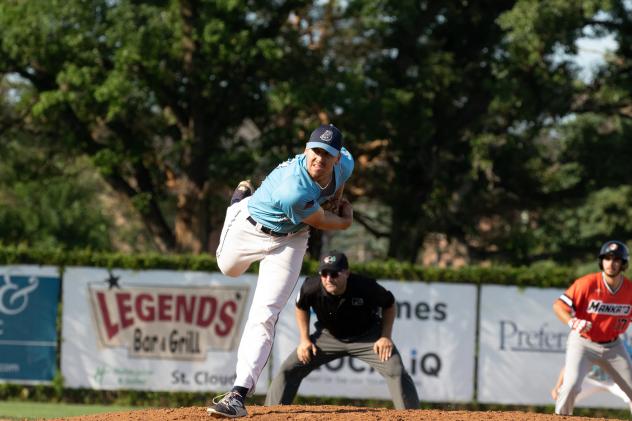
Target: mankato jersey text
x: 598, y: 307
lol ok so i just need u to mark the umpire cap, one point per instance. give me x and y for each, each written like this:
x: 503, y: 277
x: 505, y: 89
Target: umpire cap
x: 334, y: 261
x: 617, y: 249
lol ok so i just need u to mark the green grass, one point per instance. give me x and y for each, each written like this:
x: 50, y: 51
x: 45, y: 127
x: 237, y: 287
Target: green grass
x: 22, y: 410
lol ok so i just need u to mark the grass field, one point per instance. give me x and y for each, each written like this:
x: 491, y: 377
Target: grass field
x: 32, y: 410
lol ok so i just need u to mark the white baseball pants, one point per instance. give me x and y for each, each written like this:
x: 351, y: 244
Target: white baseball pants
x: 281, y: 259
x: 593, y: 386
x: 581, y: 355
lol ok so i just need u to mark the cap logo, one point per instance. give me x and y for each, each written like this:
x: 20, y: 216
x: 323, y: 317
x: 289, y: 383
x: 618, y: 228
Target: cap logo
x: 613, y: 246
x: 329, y: 259
x: 326, y: 136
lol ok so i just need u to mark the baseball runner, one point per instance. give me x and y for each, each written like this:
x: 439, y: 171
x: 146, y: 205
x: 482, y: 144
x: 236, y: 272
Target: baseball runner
x: 597, y: 308
x: 271, y: 226
x: 347, y: 307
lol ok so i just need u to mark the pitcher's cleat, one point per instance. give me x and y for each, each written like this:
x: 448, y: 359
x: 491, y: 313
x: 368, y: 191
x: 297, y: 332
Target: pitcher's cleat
x: 229, y: 405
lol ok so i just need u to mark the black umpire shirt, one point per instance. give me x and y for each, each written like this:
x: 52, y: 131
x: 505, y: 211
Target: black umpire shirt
x: 351, y: 314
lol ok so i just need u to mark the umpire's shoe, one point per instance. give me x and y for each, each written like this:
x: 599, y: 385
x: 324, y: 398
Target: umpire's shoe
x: 229, y: 405
x: 243, y: 190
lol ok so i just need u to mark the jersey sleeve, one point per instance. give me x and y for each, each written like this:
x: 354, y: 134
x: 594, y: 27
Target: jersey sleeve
x: 382, y: 297
x: 346, y: 163
x: 303, y: 299
x: 567, y: 296
x: 571, y: 295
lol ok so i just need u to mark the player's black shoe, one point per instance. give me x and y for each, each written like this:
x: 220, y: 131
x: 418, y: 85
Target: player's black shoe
x: 243, y: 190
x: 229, y: 405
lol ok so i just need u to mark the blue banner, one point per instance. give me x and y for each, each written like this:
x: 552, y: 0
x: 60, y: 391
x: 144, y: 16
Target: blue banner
x: 28, y: 336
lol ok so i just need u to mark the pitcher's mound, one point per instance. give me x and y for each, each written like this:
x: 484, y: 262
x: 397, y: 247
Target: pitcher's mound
x: 327, y: 413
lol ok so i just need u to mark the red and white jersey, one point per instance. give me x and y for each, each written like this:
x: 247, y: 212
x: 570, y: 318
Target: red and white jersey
x: 591, y: 298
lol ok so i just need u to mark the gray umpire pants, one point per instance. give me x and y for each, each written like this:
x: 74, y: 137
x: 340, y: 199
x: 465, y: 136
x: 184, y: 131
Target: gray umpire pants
x: 286, y: 383
x: 581, y: 354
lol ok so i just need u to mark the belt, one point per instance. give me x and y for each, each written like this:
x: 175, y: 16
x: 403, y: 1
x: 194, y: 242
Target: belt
x: 606, y: 342
x: 266, y: 230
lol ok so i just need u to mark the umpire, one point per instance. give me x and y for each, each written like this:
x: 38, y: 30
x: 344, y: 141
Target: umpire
x: 347, y: 308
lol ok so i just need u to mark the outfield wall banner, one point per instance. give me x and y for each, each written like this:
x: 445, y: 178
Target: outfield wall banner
x: 522, y: 348
x: 29, y: 296
x: 434, y: 332
x: 153, y: 330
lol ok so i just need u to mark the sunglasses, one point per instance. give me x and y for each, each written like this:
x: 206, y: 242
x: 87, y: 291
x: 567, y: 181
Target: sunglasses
x: 331, y: 273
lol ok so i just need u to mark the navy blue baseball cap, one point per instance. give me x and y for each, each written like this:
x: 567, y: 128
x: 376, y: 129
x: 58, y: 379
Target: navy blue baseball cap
x: 326, y: 137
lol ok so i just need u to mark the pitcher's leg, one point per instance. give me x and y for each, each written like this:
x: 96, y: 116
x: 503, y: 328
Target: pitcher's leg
x: 278, y: 274
x: 240, y: 244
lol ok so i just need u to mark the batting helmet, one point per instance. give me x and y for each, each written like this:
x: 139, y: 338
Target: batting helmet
x: 617, y: 249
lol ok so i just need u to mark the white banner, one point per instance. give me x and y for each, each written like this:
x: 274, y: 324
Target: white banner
x: 522, y: 347
x: 434, y: 332
x: 153, y: 330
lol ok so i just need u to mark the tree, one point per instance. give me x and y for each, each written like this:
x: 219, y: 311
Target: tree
x: 47, y: 199
x: 155, y: 93
x: 455, y: 107
x: 589, y: 185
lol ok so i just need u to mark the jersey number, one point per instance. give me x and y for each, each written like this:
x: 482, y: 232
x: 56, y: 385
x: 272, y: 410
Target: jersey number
x: 622, y: 324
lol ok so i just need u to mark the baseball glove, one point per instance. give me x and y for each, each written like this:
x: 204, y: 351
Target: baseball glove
x: 330, y: 205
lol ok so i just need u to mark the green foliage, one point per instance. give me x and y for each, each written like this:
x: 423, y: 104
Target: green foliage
x: 47, y: 199
x: 591, y: 187
x: 27, y: 410
x: 468, y: 120
x: 459, y: 105
x: 153, y: 92
x: 604, y: 214
x: 542, y: 275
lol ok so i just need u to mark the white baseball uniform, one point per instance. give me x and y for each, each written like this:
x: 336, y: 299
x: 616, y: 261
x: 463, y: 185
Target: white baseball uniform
x: 268, y: 227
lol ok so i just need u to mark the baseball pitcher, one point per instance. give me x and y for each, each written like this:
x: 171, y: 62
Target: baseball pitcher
x: 271, y: 226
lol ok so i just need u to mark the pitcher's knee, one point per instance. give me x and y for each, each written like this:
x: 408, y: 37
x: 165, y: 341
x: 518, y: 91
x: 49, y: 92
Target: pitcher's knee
x: 264, y: 320
x: 231, y: 271
x: 270, y: 321
x: 230, y: 268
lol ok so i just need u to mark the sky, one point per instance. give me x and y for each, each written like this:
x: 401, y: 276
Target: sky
x: 591, y: 53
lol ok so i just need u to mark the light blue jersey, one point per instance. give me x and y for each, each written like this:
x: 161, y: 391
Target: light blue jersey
x: 288, y: 194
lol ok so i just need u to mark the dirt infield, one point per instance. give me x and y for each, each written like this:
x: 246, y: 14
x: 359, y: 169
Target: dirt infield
x: 327, y: 413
